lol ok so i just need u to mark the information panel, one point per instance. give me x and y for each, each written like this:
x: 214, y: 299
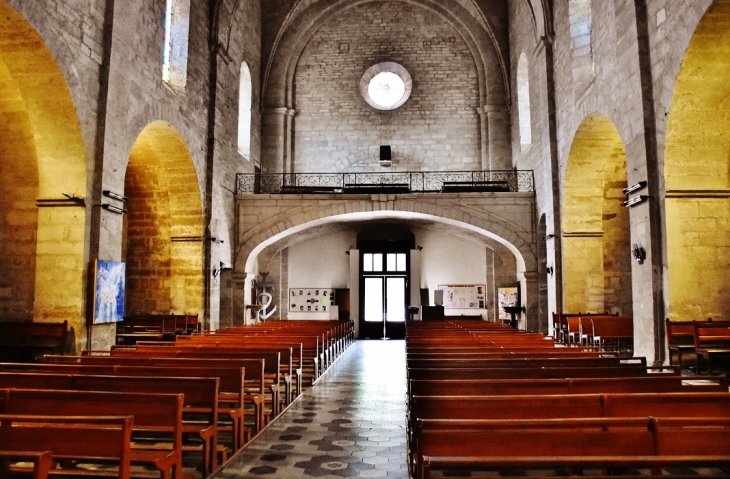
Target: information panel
x: 311, y: 300
x: 463, y: 296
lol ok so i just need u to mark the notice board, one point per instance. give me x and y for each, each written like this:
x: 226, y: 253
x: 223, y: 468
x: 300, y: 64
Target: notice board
x: 311, y: 300
x: 463, y: 296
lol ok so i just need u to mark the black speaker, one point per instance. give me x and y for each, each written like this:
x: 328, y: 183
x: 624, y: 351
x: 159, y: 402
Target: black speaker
x: 384, y: 152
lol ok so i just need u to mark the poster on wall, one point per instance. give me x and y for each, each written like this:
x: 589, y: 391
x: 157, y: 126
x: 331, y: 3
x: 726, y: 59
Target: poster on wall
x: 311, y: 300
x: 507, y: 297
x: 109, y: 291
x: 463, y: 296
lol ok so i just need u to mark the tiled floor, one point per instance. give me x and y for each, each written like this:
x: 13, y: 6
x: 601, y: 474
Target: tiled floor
x: 350, y: 424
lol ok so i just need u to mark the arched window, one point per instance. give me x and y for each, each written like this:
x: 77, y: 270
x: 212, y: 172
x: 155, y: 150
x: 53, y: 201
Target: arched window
x: 581, y: 42
x: 175, y: 52
x: 523, y: 101
x: 244, y: 112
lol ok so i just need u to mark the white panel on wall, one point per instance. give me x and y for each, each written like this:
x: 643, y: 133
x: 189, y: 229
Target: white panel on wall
x: 320, y: 263
x: 448, y: 259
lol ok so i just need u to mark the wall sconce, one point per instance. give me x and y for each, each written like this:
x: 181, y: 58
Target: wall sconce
x: 549, y: 237
x: 114, y: 209
x: 115, y: 196
x: 419, y: 247
x: 639, y: 253
x: 216, y: 240
x: 549, y: 270
x: 347, y: 252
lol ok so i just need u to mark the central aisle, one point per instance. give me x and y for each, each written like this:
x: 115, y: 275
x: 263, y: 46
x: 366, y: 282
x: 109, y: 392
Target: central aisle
x: 350, y: 424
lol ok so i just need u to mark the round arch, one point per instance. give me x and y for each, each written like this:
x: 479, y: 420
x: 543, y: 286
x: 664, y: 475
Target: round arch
x: 42, y: 182
x: 251, y: 253
x: 596, y: 232
x: 697, y: 174
x: 163, y: 229
x: 303, y: 23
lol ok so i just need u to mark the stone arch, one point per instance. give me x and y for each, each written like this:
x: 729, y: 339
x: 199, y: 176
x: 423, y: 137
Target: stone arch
x: 163, y: 229
x: 697, y: 174
x: 301, y: 25
x: 42, y: 182
x: 596, y: 227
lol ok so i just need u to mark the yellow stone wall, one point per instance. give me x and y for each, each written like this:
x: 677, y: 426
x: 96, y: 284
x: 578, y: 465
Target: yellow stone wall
x: 697, y: 175
x: 42, y: 157
x: 163, y: 230
x: 596, y: 243
x: 18, y: 213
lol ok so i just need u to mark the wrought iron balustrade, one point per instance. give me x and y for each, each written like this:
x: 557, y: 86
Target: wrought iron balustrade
x: 512, y: 181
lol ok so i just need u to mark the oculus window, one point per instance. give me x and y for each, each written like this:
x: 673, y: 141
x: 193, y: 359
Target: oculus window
x: 386, y: 86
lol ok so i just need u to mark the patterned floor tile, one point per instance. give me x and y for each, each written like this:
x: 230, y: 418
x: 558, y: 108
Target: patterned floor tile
x: 350, y: 424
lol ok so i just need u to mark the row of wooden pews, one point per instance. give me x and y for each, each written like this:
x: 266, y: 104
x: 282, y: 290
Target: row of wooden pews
x: 176, y: 407
x: 706, y: 341
x: 602, y: 332
x: 486, y: 399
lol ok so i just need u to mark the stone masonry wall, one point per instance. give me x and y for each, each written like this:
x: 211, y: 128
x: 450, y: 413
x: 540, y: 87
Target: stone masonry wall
x: 436, y: 129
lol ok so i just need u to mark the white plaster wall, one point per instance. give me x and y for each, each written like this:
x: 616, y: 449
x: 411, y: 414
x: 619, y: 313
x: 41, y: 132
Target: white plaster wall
x: 448, y: 259
x: 320, y: 263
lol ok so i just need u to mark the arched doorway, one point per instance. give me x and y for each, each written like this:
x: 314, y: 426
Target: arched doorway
x: 697, y: 175
x: 42, y: 183
x: 596, y: 240
x: 164, y: 226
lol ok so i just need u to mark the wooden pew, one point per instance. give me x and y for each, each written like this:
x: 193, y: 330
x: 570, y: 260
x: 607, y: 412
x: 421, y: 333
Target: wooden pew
x: 712, y: 339
x: 41, y: 462
x: 638, y: 384
x: 156, y: 414
x: 610, y: 333
x: 93, y: 440
x: 574, y: 444
x: 28, y: 341
x: 200, y: 400
x: 236, y: 387
x: 272, y: 365
x: 478, y: 362
x: 540, y: 406
x: 680, y: 340
x: 537, y: 372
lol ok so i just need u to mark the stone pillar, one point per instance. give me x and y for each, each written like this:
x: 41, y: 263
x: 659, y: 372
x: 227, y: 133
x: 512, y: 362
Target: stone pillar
x: 248, y: 298
x: 289, y: 141
x: 498, y: 127
x: 530, y: 292
x: 274, y: 140
x: 483, y: 137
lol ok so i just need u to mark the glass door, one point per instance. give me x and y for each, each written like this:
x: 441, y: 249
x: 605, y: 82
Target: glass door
x: 383, y: 301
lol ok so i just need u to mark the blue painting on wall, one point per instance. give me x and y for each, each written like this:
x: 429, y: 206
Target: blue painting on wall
x: 109, y: 292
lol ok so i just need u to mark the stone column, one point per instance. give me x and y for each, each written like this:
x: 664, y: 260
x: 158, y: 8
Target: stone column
x: 498, y: 127
x: 531, y: 302
x: 275, y: 122
x: 483, y: 137
x: 289, y: 141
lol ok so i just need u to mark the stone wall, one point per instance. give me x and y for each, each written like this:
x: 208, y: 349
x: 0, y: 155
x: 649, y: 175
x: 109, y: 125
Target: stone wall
x: 335, y: 130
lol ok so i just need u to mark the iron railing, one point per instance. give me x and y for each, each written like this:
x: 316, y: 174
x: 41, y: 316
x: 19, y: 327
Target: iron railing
x: 397, y: 182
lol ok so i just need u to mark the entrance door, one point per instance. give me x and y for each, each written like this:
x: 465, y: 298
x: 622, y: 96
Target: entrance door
x: 385, y: 289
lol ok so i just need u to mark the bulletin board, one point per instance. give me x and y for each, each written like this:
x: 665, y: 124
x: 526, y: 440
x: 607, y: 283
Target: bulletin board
x: 463, y: 296
x: 311, y: 300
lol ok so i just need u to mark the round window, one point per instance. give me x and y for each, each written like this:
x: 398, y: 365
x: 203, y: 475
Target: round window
x: 386, y: 86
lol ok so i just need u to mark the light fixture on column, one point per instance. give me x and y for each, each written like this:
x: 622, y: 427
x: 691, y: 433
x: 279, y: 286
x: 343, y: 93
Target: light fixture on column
x: 635, y: 200
x: 114, y: 209
x: 114, y: 195
x: 635, y: 187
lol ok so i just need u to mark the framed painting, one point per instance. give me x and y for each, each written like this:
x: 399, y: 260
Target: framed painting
x: 109, y: 279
